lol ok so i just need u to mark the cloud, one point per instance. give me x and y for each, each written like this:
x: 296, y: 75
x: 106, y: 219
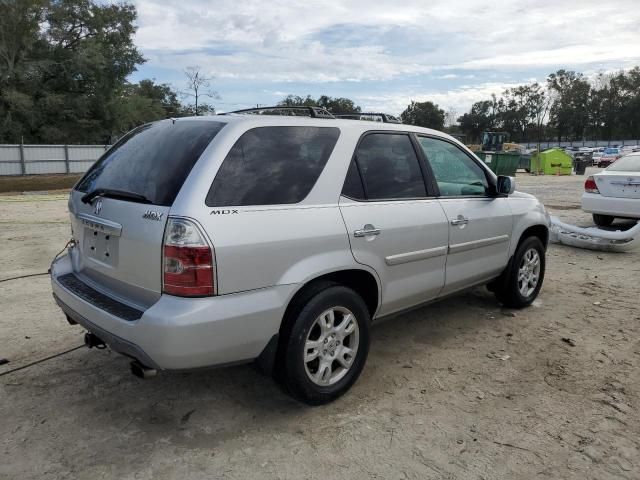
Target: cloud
x: 425, y: 47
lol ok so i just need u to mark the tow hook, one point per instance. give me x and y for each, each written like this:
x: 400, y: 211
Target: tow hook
x: 141, y: 371
x: 93, y: 341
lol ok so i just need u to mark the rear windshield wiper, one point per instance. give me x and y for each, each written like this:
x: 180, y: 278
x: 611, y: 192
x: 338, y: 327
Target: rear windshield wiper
x: 110, y: 192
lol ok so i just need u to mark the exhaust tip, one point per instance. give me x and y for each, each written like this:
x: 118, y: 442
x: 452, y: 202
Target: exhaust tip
x: 141, y: 371
x: 93, y: 341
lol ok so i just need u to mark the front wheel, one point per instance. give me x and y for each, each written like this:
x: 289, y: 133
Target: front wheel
x: 521, y: 283
x: 326, y: 346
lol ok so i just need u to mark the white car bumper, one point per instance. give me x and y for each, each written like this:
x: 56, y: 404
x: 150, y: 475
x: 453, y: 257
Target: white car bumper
x: 612, y: 206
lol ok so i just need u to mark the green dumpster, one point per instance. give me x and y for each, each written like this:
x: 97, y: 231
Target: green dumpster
x: 501, y: 163
x: 552, y: 162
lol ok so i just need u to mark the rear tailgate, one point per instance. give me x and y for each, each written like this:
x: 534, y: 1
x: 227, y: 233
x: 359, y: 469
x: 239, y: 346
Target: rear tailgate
x: 120, y: 231
x: 119, y: 247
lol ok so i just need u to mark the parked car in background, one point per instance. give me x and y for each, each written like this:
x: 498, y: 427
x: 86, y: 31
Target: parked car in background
x: 614, y: 192
x: 225, y: 239
x: 597, y: 154
x: 609, y: 155
x: 584, y: 156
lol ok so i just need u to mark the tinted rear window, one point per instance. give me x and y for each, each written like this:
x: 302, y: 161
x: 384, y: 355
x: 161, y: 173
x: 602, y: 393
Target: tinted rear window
x: 272, y: 166
x: 153, y: 160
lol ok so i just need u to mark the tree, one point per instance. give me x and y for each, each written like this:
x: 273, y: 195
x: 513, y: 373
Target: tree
x: 481, y: 118
x: 424, y: 114
x: 569, y: 113
x: 144, y: 102
x: 63, y: 67
x: 297, y: 101
x: 198, y: 86
x: 335, y: 105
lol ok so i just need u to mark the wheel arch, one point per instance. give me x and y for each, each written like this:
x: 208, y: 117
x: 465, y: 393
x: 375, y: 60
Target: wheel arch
x: 362, y: 281
x: 539, y: 230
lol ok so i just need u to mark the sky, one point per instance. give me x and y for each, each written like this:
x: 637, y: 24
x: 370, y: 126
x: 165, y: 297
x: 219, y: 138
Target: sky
x: 381, y: 53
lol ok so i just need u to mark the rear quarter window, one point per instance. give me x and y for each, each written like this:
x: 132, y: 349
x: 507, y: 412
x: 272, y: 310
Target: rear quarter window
x: 272, y: 166
x: 153, y: 160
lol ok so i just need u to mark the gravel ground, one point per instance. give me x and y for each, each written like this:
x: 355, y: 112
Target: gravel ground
x: 460, y: 389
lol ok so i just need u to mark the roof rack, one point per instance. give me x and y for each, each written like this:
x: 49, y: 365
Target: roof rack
x: 314, y: 112
x: 385, y: 117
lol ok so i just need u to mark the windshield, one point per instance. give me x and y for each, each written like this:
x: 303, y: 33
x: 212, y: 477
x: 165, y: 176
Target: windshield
x: 611, y: 150
x: 630, y: 163
x: 152, y: 161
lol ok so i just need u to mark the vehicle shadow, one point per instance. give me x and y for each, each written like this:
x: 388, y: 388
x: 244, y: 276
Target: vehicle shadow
x: 203, y: 408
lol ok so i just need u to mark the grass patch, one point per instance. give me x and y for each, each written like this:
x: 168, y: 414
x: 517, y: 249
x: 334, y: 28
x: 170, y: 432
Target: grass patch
x: 37, y: 183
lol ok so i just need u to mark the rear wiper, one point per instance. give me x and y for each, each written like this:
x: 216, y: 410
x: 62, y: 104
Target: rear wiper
x: 109, y: 192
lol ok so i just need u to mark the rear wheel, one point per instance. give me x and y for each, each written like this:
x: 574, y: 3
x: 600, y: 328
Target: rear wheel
x: 326, y: 346
x: 521, y: 283
x: 602, y: 220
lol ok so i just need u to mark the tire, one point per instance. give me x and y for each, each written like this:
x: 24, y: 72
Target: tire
x: 329, y: 370
x: 602, y: 220
x: 510, y: 288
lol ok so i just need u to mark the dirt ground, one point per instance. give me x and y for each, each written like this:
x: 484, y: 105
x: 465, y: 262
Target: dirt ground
x: 460, y: 389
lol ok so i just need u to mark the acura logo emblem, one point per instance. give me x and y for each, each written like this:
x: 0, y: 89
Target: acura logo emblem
x: 97, y: 207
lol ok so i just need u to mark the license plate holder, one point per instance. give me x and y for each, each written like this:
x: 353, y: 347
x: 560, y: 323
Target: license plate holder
x: 100, y: 246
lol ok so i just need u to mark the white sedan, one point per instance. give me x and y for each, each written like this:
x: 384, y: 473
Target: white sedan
x: 614, y: 192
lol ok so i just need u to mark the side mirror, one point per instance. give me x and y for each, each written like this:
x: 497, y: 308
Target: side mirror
x: 506, y: 185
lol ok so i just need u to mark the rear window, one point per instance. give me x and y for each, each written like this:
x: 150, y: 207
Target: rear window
x: 152, y: 160
x: 630, y: 163
x: 272, y: 166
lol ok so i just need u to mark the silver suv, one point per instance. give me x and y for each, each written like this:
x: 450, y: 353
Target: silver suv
x: 281, y: 238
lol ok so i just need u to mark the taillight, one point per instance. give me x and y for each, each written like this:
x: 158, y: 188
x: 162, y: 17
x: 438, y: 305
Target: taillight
x: 188, y: 262
x: 590, y: 186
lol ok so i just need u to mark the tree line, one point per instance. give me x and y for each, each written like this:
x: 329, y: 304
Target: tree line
x: 568, y: 107
x: 63, y: 74
x: 64, y: 66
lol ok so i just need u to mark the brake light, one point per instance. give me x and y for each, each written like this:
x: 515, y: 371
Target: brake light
x: 590, y: 186
x: 188, y: 261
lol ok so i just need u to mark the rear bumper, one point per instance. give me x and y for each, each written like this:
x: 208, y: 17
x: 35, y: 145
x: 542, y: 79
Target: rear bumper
x: 612, y: 206
x: 183, y: 333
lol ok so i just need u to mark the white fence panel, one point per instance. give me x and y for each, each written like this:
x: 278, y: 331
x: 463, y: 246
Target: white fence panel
x: 41, y: 168
x: 47, y: 153
x: 79, y: 167
x: 86, y: 152
x: 12, y: 168
x: 48, y: 159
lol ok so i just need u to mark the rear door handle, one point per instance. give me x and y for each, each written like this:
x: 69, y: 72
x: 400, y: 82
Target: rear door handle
x: 461, y: 220
x: 367, y: 230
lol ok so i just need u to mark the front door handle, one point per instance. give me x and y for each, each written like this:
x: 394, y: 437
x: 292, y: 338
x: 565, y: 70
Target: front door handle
x: 461, y: 220
x: 367, y: 230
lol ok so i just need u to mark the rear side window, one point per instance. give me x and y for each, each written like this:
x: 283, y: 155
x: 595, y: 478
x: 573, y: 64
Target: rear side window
x: 389, y: 167
x: 153, y: 160
x: 272, y: 166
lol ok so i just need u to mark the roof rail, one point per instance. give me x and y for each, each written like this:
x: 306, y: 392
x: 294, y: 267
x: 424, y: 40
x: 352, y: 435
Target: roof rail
x: 314, y: 112
x: 385, y: 117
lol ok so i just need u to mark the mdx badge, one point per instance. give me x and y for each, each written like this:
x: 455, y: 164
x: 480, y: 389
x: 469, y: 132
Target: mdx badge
x: 223, y: 212
x: 151, y: 215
